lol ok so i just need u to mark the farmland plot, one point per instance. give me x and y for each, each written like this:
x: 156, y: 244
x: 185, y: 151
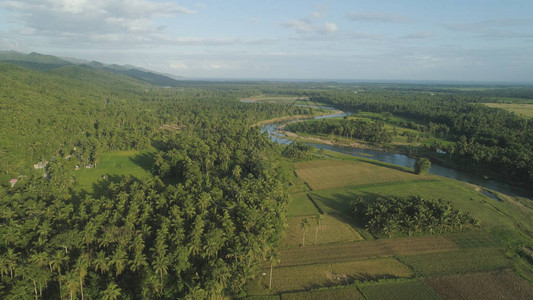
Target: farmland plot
x: 330, y: 230
x: 492, y: 285
x: 299, y: 278
x: 328, y: 174
x: 365, y: 250
x: 409, y: 290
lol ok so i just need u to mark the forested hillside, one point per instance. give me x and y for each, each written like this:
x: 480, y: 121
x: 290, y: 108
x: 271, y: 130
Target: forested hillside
x: 199, y: 227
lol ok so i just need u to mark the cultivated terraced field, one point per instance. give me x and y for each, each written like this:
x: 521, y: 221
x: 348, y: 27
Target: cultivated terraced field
x: 330, y: 230
x: 297, y: 278
x: 337, y: 293
x: 469, y: 265
x: 365, y: 250
x: 409, y: 290
x: 454, y: 262
x: 492, y: 285
x: 328, y: 174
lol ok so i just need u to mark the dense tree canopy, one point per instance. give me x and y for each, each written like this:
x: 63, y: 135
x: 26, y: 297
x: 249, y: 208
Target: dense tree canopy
x: 199, y: 228
x: 489, y: 136
x: 410, y: 215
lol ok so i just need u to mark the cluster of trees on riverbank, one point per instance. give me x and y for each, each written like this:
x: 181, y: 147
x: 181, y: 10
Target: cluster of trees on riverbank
x: 410, y: 215
x: 367, y: 130
x: 495, y: 138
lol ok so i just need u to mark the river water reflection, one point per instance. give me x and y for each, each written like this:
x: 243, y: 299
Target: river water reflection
x: 401, y: 160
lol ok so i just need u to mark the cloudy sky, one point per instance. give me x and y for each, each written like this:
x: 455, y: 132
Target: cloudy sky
x: 473, y: 40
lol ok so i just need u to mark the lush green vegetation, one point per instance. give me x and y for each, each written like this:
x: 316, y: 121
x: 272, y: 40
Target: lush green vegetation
x: 165, y: 193
x: 422, y: 165
x: 370, y: 131
x: 410, y: 215
x: 488, y: 136
x: 199, y: 228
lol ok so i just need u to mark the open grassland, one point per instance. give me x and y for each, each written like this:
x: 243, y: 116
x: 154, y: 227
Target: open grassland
x: 474, y: 239
x: 330, y: 173
x: 348, y: 293
x: 330, y: 230
x: 492, y: 285
x: 299, y: 278
x: 457, y: 262
x: 506, y: 215
x: 408, y: 290
x: 521, y: 109
x: 300, y: 205
x: 116, y: 164
x: 365, y: 250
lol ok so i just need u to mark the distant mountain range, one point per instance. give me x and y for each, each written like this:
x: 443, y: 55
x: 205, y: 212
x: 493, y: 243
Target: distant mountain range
x: 42, y: 62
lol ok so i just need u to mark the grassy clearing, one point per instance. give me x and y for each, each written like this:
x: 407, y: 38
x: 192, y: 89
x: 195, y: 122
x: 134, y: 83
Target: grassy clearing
x: 474, y: 239
x: 116, y: 164
x: 301, y: 206
x: 455, y: 262
x: 365, y: 250
x: 493, y: 285
x: 502, y: 216
x: 408, y: 290
x: 328, y: 174
x: 299, y: 278
x: 351, y: 293
x: 331, y: 230
x: 521, y: 109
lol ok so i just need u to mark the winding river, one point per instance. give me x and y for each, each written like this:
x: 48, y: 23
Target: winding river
x: 399, y: 159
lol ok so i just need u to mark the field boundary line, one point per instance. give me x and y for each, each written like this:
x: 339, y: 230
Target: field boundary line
x: 314, y: 203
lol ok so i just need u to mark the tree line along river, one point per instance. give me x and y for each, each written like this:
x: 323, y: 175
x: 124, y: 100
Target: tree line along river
x: 398, y: 159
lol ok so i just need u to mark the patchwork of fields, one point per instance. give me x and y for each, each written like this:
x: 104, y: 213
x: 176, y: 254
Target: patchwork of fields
x: 347, y: 262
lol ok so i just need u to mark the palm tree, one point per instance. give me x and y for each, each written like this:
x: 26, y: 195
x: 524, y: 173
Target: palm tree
x: 119, y: 260
x: 101, y: 262
x: 319, y: 220
x: 305, y: 225
x: 273, y: 258
x: 161, y: 264
x: 4, y: 269
x: 40, y: 259
x: 71, y: 282
x: 112, y: 292
x: 55, y: 263
x: 81, y: 267
x: 139, y: 261
x: 12, y: 258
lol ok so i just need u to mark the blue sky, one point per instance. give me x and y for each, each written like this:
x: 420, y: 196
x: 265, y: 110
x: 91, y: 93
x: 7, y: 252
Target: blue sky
x: 465, y: 40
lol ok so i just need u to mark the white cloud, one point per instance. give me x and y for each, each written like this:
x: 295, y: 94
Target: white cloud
x: 56, y: 17
x: 299, y: 25
x: 178, y: 65
x: 216, y: 66
x: 377, y: 16
x: 307, y: 27
x: 316, y: 15
x: 330, y: 27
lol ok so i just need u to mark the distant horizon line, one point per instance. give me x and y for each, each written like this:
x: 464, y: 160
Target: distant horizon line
x: 302, y: 80
x: 344, y: 80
